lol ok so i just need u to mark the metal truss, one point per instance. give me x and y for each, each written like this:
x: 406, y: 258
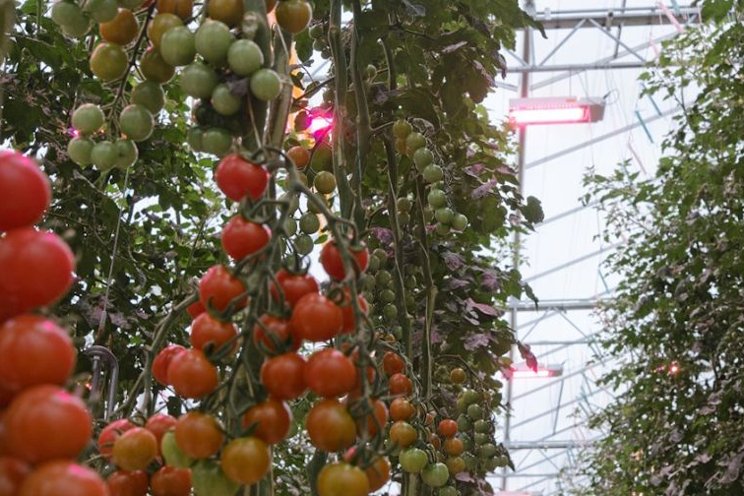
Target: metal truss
x: 545, y: 439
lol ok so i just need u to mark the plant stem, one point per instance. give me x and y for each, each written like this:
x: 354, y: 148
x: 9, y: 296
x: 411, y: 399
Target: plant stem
x: 363, y: 128
x: 430, y: 291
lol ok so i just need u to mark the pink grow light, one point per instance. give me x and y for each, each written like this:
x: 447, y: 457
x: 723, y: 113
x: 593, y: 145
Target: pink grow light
x: 532, y: 111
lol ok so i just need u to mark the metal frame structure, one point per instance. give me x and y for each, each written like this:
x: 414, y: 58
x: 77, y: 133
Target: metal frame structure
x: 557, y: 447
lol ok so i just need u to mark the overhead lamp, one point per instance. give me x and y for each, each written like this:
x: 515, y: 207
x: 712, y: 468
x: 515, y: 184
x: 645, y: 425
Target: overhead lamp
x: 550, y: 110
x: 523, y: 371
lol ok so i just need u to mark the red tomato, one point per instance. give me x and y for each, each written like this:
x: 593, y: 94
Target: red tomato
x: 378, y: 418
x: 332, y: 262
x: 392, y: 363
x: 135, y: 449
x: 63, y: 478
x: 330, y: 373
x: 159, y: 424
x: 208, y: 331
x: 378, y: 473
x: 171, y: 481
x: 192, y: 374
x: 271, y: 420
x: 401, y: 409
x: 272, y: 330
x: 198, y: 434
x: 283, y: 376
x: 35, y: 351
x: 196, y: 309
x: 236, y: 178
x: 46, y: 422
x: 163, y: 360
x: 110, y: 434
x: 6, y: 396
x: 122, y: 483
x: 347, y: 309
x: 294, y: 286
x: 37, y: 270
x: 403, y: 434
x: 330, y: 426
x: 12, y: 473
x: 218, y: 288
x: 24, y: 189
x: 400, y: 385
x: 241, y: 237
x: 316, y: 318
x: 447, y: 428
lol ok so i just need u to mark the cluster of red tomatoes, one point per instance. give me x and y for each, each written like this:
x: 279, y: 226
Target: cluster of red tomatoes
x: 43, y: 428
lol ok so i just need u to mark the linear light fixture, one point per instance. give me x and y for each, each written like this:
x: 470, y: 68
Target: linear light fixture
x: 522, y: 371
x: 550, y: 110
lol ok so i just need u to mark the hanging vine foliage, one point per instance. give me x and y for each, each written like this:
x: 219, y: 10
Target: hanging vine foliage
x: 299, y: 272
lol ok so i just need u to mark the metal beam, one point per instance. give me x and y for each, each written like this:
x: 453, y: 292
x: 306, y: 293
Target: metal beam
x: 599, y: 138
x: 574, y: 261
x: 597, y: 66
x: 651, y: 16
x: 549, y: 445
x: 573, y: 304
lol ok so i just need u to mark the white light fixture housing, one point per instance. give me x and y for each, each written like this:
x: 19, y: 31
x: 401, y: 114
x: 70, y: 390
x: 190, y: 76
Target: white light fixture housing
x: 551, y: 110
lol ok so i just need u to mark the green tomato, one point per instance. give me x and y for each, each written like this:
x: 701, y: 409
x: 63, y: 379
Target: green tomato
x: 422, y: 157
x: 404, y: 219
x: 387, y: 296
x: 208, y: 479
x: 481, y: 438
x: 470, y: 461
x: 436, y: 198
x: 475, y: 411
x: 290, y: 225
x: 467, y: 441
x: 413, y: 460
x: 459, y: 222
x: 368, y: 283
x: 304, y: 244
x: 216, y: 141
x: 383, y: 277
x: 198, y: 80
x: 325, y: 182
x: 223, y: 101
x: 245, y: 57
x: 108, y: 62
x: 401, y: 129
x: 322, y: 158
x: 373, y: 265
x: 194, y: 138
x: 102, y: 10
x: 448, y: 491
x: 490, y: 464
x: 79, y: 150
x: 172, y: 453
x: 432, y: 173
x: 104, y: 155
x: 442, y: 229
x: 70, y: 17
x: 444, y: 215
x: 177, y: 46
x: 414, y: 141
x: 470, y: 396
x: 309, y: 223
x: 127, y: 153
x: 150, y: 95
x: 316, y: 31
x: 130, y: 4
x: 390, y: 311
x: 266, y: 84
x: 212, y: 41
x: 136, y: 122
x: 404, y: 205
x: 88, y: 118
x: 435, y: 475
x: 463, y: 423
x: 482, y: 426
x: 487, y: 450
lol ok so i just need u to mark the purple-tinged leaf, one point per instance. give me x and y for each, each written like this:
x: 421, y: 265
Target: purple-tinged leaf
x: 490, y: 280
x: 475, y: 170
x: 527, y: 355
x: 383, y: 234
x: 453, y: 261
x: 482, y: 308
x: 454, y: 47
x: 475, y: 341
x: 484, y: 189
x: 457, y: 283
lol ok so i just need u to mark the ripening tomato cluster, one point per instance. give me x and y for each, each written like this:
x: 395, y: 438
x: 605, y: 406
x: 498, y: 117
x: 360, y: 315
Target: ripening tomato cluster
x: 412, y: 144
x: 43, y: 428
